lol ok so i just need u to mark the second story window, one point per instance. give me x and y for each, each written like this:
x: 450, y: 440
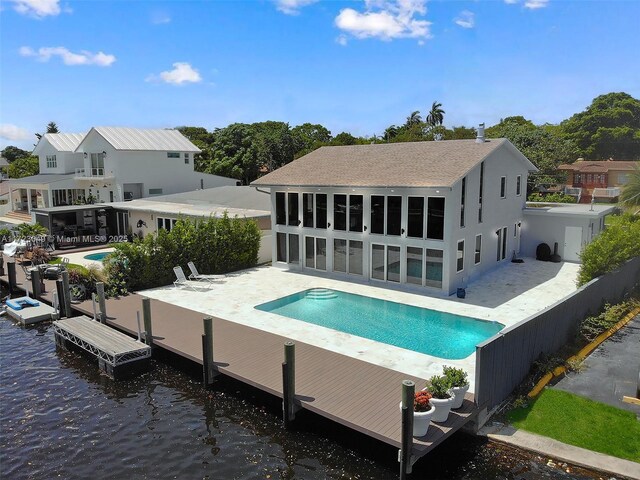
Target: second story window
x: 503, y: 187
x: 186, y: 158
x: 173, y: 154
x: 462, y: 200
x: 51, y: 161
x: 518, y: 185
x: 97, y: 164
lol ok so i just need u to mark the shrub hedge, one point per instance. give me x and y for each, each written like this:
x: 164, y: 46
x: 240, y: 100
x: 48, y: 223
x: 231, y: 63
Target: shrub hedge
x: 617, y: 244
x: 215, y: 245
x: 557, y: 197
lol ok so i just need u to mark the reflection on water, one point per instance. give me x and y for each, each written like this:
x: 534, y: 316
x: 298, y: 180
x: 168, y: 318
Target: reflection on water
x: 61, y: 418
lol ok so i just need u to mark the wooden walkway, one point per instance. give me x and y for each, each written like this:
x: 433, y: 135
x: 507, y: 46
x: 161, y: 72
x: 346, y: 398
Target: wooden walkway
x: 354, y: 393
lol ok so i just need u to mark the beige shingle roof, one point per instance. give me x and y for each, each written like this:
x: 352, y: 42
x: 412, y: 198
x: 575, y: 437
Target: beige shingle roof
x: 410, y: 164
x: 600, y: 166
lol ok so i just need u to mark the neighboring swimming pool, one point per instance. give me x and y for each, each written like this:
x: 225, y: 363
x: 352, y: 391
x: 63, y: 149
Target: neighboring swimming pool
x: 439, y: 334
x: 97, y: 257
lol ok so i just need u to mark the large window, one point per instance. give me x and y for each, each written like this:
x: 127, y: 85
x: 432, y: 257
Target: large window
x: 355, y: 213
x: 97, y: 164
x: 51, y: 161
x: 415, y: 217
x: 377, y: 214
x: 414, y: 265
x: 339, y: 255
x: 166, y: 223
x: 385, y: 262
x: 321, y: 210
x: 347, y: 256
x: 480, y: 192
x: 393, y: 264
x: 281, y: 247
x: 502, y: 244
x: 435, y: 218
x: 281, y: 209
x: 434, y: 268
x: 394, y: 215
x: 503, y: 187
x: 355, y: 257
x: 173, y: 154
x: 463, y: 194
x: 307, y: 210
x: 478, y: 251
x: 294, y: 248
x: 377, y: 261
x: 339, y: 212
x: 460, y: 256
x: 287, y: 247
x: 292, y: 217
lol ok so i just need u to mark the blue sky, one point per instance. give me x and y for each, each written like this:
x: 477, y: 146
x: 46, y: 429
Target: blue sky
x: 356, y: 66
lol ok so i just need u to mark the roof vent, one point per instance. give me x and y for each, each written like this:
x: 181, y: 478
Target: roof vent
x: 480, y: 136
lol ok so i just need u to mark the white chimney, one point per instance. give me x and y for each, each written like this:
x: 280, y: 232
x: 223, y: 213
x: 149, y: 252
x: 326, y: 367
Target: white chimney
x: 480, y: 137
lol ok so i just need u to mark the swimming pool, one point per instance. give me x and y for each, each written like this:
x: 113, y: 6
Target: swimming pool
x: 97, y: 257
x: 439, y: 334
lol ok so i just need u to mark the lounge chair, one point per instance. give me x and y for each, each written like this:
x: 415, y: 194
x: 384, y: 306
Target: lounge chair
x: 181, y: 280
x: 199, y: 277
x: 53, y: 272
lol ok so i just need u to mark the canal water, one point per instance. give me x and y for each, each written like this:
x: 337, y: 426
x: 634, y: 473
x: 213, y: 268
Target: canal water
x: 61, y: 418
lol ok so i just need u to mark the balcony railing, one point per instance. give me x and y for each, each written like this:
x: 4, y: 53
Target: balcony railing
x: 606, y: 192
x: 89, y: 173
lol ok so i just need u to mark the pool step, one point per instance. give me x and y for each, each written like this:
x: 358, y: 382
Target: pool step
x: 321, y: 294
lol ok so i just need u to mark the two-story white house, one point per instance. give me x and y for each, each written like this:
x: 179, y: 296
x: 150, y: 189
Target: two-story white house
x: 110, y: 164
x: 424, y: 215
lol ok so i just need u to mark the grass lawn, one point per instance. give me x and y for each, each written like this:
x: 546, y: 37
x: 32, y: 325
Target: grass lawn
x: 71, y: 266
x: 581, y: 422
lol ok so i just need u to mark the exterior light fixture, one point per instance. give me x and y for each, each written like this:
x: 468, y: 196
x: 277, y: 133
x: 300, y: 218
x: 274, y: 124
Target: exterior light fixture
x: 85, y: 154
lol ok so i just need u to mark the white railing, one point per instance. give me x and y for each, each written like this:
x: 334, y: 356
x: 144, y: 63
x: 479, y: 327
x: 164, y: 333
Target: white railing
x: 606, y: 192
x: 91, y: 172
x: 576, y: 191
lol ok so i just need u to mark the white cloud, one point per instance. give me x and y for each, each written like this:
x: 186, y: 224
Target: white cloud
x: 37, y: 8
x: 13, y: 132
x: 292, y: 7
x: 511, y: 2
x: 182, y: 73
x: 44, y: 54
x: 160, y: 18
x: 535, y: 4
x: 386, y: 19
x: 466, y: 19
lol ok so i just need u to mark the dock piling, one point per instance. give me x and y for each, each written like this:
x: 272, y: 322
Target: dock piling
x: 66, y: 293
x: 289, y: 383
x: 102, y: 301
x: 146, y: 318
x: 93, y: 304
x: 207, y: 351
x: 406, y: 460
x: 36, y: 284
x: 11, y: 271
x: 1, y: 265
x: 139, y: 328
x: 60, y: 293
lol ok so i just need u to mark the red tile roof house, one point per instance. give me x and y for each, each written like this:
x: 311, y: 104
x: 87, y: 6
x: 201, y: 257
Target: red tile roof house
x: 600, y: 180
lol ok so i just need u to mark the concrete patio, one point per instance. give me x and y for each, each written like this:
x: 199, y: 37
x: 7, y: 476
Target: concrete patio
x: 507, y: 295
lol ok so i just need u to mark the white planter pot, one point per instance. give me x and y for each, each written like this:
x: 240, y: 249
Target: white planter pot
x: 458, y: 396
x: 443, y: 407
x: 421, y: 421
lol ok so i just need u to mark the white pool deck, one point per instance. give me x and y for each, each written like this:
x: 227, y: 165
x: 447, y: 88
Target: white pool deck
x: 509, y: 294
x: 78, y: 257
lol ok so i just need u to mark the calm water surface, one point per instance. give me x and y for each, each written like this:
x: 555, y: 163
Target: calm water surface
x: 60, y: 418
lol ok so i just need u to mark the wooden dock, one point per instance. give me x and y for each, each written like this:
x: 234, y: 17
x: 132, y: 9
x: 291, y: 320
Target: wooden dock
x: 117, y: 353
x: 351, y: 392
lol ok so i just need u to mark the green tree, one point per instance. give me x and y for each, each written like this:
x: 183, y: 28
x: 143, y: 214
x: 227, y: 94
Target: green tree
x: 436, y: 115
x: 202, y: 139
x: 344, y: 138
x: 608, y: 128
x: 24, y: 167
x: 460, y: 133
x: 234, y: 154
x: 308, y: 137
x: 12, y: 153
x: 274, y: 144
x: 413, y: 119
x: 630, y: 196
x: 390, y: 133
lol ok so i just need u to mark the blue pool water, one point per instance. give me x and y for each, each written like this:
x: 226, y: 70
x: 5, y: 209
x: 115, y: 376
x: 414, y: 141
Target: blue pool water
x: 439, y: 334
x: 98, y: 257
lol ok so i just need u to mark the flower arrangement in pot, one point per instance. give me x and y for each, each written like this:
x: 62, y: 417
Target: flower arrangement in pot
x: 459, y: 383
x: 422, y: 413
x: 441, y: 398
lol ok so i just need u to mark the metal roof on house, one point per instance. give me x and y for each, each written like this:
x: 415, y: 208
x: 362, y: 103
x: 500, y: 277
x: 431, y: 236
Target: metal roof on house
x: 41, y: 178
x: 124, y: 138
x: 241, y: 201
x: 408, y: 164
x: 600, y: 166
x: 64, y: 142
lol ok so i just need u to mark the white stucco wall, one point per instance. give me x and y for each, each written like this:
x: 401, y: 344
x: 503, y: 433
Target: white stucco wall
x: 66, y: 162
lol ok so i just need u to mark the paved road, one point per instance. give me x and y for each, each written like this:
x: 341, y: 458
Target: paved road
x: 611, y: 371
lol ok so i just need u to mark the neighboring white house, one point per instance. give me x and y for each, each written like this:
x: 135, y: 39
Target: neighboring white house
x: 110, y: 164
x: 427, y: 215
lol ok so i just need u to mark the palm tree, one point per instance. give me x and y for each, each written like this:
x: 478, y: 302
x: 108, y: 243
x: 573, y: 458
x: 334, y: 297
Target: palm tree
x: 436, y: 115
x: 630, y: 196
x: 413, y: 119
x: 390, y: 133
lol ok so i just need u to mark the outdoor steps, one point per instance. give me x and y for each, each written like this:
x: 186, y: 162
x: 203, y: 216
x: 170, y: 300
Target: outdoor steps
x: 24, y: 217
x: 321, y: 294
